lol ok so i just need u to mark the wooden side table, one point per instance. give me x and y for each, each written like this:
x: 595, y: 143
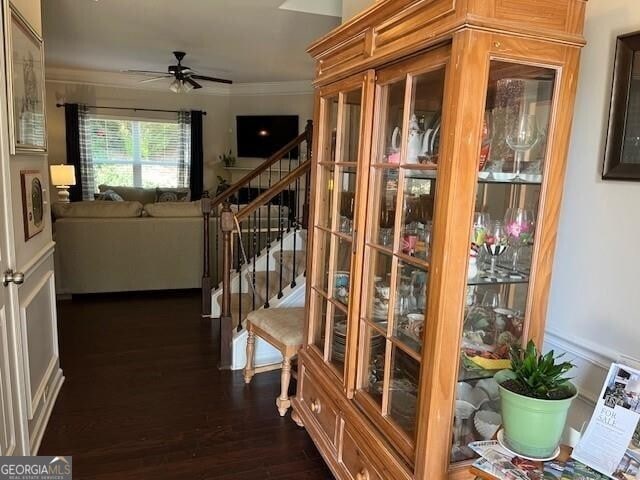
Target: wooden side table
x: 565, y: 453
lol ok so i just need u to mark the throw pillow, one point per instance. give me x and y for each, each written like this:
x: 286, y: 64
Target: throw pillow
x: 173, y: 195
x: 132, y: 194
x: 109, y: 196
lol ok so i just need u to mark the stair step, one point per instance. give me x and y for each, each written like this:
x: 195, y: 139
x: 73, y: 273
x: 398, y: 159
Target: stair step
x: 274, y: 283
x: 286, y: 258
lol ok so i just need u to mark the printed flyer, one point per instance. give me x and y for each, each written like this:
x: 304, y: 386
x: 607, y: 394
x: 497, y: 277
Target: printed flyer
x: 611, y: 442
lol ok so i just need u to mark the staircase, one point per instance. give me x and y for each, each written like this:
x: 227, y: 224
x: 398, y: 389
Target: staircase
x: 261, y: 248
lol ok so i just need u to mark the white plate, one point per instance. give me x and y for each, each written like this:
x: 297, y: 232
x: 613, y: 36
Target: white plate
x: 484, y: 175
x: 503, y: 444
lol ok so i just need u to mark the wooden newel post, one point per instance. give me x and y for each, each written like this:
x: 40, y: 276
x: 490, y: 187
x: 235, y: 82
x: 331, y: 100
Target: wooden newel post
x: 226, y: 328
x: 206, y: 260
x: 307, y: 178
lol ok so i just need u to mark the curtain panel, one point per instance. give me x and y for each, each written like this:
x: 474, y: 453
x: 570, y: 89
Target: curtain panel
x: 196, y: 177
x: 79, y: 151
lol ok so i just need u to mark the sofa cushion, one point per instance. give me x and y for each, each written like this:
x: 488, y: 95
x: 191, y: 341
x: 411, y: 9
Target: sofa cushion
x: 132, y: 194
x: 97, y: 209
x: 109, y: 196
x: 173, y: 194
x: 174, y: 209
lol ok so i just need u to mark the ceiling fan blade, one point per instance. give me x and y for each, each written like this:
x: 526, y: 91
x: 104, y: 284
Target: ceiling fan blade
x: 153, y: 79
x: 211, y: 79
x: 192, y: 82
x: 143, y: 72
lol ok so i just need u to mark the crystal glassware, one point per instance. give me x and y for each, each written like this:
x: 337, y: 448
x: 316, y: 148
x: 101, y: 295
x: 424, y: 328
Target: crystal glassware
x: 522, y: 136
x: 495, y: 243
x: 519, y: 224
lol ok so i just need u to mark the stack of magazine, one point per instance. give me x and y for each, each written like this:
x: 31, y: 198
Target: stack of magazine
x: 503, y: 465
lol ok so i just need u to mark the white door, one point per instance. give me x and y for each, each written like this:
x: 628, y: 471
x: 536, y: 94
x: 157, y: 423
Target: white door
x: 9, y: 373
x: 29, y: 364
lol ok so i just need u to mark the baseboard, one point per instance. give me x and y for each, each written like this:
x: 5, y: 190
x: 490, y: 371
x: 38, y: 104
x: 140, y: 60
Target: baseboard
x: 41, y: 425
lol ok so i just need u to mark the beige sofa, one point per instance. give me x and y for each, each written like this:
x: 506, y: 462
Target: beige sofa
x: 111, y: 247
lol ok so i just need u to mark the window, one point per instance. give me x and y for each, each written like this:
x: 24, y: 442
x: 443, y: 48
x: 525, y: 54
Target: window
x: 138, y: 153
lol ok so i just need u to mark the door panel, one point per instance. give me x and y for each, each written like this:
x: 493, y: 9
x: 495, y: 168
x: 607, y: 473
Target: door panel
x: 7, y: 425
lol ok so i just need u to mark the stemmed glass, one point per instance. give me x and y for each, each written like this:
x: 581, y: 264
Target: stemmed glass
x: 481, y: 223
x: 522, y: 136
x: 495, y: 243
x: 520, y: 226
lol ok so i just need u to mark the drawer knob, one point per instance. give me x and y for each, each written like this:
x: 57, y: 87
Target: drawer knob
x: 362, y: 475
x: 315, y: 406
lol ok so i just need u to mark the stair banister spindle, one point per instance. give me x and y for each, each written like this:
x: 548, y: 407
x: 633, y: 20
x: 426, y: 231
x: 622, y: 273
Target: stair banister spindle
x: 307, y: 192
x: 205, y: 203
x: 281, y: 233
x: 295, y: 232
x: 253, y: 273
x: 226, y: 334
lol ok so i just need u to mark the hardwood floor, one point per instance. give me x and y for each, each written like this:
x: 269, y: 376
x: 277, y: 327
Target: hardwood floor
x: 143, y: 399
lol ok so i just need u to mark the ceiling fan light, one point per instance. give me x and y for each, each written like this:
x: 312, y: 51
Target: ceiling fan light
x: 175, y: 86
x: 186, y: 87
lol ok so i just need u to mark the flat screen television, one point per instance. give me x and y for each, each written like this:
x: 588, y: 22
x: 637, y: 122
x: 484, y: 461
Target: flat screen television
x: 261, y: 136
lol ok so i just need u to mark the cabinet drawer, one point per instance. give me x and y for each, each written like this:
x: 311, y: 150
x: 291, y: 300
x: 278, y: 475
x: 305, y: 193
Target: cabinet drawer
x: 322, y: 409
x: 354, y: 459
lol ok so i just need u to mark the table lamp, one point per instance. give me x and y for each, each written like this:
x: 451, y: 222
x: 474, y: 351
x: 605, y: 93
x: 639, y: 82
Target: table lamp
x: 62, y: 177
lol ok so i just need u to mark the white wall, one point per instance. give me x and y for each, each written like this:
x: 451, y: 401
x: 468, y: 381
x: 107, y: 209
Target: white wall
x: 350, y: 8
x: 595, y: 300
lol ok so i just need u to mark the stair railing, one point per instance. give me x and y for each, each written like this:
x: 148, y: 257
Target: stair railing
x: 255, y: 213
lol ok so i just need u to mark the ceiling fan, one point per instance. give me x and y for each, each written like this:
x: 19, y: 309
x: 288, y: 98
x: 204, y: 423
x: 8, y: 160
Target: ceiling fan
x: 184, y: 79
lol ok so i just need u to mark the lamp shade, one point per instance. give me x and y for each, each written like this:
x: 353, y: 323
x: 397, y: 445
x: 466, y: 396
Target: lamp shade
x: 63, y: 175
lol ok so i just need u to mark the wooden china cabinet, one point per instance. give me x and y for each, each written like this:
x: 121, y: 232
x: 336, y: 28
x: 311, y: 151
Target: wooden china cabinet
x: 442, y: 129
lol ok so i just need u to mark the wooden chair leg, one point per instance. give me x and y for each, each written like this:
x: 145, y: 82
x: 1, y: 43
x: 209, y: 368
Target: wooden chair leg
x: 249, y: 368
x: 282, y: 402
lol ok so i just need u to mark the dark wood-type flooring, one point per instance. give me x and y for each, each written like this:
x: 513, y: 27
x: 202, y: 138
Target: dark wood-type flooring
x: 143, y: 399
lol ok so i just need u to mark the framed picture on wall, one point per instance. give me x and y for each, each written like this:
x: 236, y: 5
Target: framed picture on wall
x: 26, y: 93
x: 622, y: 151
x: 32, y: 182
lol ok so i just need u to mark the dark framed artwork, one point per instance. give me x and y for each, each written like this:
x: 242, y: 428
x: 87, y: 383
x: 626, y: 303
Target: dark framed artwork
x: 32, y: 182
x: 622, y: 151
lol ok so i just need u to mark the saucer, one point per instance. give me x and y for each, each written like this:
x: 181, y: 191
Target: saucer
x: 503, y: 443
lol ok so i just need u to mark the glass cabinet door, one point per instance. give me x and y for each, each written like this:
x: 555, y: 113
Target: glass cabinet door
x: 335, y: 222
x: 502, y: 242
x: 400, y: 211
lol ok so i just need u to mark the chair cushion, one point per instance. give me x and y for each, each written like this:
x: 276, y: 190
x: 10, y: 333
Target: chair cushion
x: 284, y: 324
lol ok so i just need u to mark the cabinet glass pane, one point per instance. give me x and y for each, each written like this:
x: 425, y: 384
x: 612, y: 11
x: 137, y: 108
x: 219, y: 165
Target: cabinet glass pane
x: 325, y: 196
x: 342, y: 270
x: 423, y: 137
x: 511, y: 167
x: 417, y: 216
x: 319, y: 321
x: 329, y: 129
x: 389, y: 130
x: 338, y: 339
x: 346, y: 199
x: 403, y: 390
x: 351, y: 113
x: 411, y: 303
x: 323, y: 246
x: 380, y: 266
x: 383, y: 207
x: 373, y: 355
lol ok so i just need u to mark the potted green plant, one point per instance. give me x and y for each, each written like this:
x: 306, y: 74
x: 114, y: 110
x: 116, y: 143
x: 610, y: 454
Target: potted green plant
x: 535, y: 395
x: 227, y: 159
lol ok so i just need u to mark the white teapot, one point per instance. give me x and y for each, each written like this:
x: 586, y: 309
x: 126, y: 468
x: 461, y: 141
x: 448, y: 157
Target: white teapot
x: 417, y: 142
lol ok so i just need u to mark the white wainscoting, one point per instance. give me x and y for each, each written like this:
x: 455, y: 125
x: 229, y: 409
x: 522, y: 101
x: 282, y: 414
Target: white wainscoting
x: 7, y: 421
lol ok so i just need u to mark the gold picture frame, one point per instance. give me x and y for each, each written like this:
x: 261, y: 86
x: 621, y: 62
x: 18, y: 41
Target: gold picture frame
x: 32, y: 186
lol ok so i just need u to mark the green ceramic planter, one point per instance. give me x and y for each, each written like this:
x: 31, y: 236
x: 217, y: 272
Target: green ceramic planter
x: 532, y: 427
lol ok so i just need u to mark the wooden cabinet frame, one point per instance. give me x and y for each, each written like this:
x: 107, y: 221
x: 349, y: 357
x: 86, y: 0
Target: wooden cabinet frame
x: 401, y: 38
